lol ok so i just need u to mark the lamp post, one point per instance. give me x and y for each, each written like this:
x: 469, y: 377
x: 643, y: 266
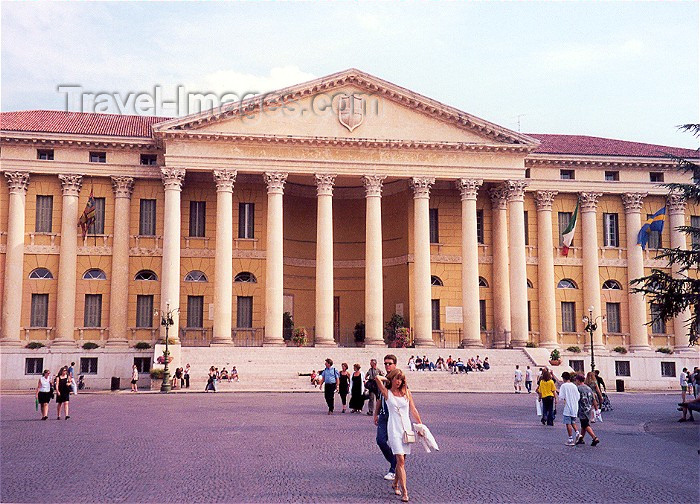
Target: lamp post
x: 591, y: 325
x: 166, y: 320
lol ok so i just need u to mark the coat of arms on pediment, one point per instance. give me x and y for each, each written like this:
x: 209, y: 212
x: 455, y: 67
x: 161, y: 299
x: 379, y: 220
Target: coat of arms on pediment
x: 351, y: 110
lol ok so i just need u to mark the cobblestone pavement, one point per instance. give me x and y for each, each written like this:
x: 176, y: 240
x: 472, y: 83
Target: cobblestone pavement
x: 284, y: 448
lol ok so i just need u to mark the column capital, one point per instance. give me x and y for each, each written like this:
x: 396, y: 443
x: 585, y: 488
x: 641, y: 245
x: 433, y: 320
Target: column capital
x: 589, y: 201
x: 324, y: 184
x: 18, y: 182
x: 468, y: 188
x: 172, y: 178
x: 544, y: 200
x: 71, y: 184
x: 224, y: 180
x: 516, y: 189
x: 421, y: 186
x: 498, y: 195
x: 675, y: 202
x: 633, y: 202
x: 275, y: 182
x: 373, y: 184
x: 123, y: 187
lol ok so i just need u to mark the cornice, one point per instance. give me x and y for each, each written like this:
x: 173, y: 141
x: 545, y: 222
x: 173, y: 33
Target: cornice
x: 63, y: 139
x: 535, y: 159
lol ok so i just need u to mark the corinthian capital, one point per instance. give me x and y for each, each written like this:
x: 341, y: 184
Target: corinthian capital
x: 633, y: 202
x: 589, y: 201
x: 71, y: 184
x: 676, y: 203
x: 172, y: 178
x: 499, y: 196
x: 373, y: 184
x: 324, y: 184
x: 18, y: 182
x: 468, y: 188
x: 544, y: 200
x: 225, y: 179
x: 516, y: 189
x: 421, y: 186
x: 123, y: 186
x: 275, y: 182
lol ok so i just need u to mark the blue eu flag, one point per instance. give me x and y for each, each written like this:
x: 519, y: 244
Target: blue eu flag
x: 653, y: 223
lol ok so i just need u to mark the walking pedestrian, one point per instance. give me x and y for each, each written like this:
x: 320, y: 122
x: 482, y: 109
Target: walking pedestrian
x: 134, y: 379
x: 597, y: 396
x: 585, y: 410
x: 381, y: 420
x: 357, y: 398
x: 71, y: 370
x: 570, y: 395
x: 548, y: 394
x: 329, y: 376
x: 63, y: 388
x: 518, y: 380
x: 371, y: 386
x: 44, y: 394
x: 528, y: 380
x: 187, y: 375
x: 684, y: 383
x: 344, y: 385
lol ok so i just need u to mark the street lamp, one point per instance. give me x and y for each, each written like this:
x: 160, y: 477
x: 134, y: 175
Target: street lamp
x: 591, y: 326
x: 166, y: 320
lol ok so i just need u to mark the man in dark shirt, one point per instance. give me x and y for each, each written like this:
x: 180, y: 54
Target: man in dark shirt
x: 600, y: 381
x: 329, y: 376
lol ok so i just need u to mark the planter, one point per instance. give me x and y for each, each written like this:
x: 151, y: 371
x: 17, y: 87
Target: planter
x: 555, y: 362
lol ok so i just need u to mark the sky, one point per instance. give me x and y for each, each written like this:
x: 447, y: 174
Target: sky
x: 626, y: 70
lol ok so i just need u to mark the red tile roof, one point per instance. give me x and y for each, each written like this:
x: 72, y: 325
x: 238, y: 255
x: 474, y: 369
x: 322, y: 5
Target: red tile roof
x: 596, y: 146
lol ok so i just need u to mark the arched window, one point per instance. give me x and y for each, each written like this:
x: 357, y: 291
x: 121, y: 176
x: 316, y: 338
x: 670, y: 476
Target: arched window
x: 483, y: 282
x: 245, y: 277
x: 146, y: 275
x: 435, y: 280
x: 94, y: 274
x: 567, y: 283
x: 195, y: 276
x: 529, y: 284
x: 612, y: 285
x: 40, y: 274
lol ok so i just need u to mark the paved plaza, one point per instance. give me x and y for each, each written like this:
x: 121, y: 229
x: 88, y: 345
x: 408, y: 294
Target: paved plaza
x: 284, y: 448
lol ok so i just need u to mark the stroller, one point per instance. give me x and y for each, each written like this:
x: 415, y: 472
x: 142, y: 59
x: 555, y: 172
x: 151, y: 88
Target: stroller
x: 606, y: 406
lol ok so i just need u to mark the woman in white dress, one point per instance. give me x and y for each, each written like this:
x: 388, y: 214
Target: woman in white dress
x: 401, y: 407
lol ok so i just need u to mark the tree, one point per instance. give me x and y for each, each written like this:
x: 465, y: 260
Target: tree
x: 675, y: 295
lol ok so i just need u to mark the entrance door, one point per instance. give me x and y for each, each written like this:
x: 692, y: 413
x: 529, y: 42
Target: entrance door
x: 336, y: 318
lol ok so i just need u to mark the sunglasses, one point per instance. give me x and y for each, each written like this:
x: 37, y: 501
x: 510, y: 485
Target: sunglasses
x: 389, y: 364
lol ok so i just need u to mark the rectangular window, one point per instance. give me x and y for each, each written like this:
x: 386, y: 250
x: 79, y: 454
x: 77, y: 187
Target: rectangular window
x: 612, y: 176
x: 527, y: 172
x: 612, y: 317
x: 88, y: 365
x: 695, y: 237
x: 529, y: 317
x: 40, y: 310
x: 44, y: 154
x: 436, y: 314
x: 622, y: 368
x: 658, y: 326
x: 98, y: 157
x: 44, y: 214
x: 149, y: 159
x: 144, y: 310
x: 195, y: 311
x: 656, y: 177
x: 611, y: 233
x: 527, y: 230
x: 143, y: 364
x: 480, y: 226
x: 244, y: 311
x: 568, y: 316
x: 668, y: 369
x: 246, y: 220
x: 33, y: 365
x: 566, y: 174
x: 564, y: 219
x: 197, y: 218
x: 482, y: 314
x: 434, y: 234
x: 654, y: 238
x: 98, y: 227
x: 147, y: 217
x: 576, y: 365
x: 93, y: 310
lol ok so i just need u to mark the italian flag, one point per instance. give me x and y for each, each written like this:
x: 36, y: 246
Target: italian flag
x: 568, y: 234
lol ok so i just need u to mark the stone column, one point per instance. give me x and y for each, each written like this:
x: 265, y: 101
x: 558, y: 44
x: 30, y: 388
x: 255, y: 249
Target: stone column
x: 675, y: 203
x: 119, y: 288
x: 518, y: 263
x: 501, y: 286
x: 374, y: 271
x: 223, y: 262
x: 422, y: 310
x: 67, y: 261
x: 274, y: 275
x: 170, y: 274
x: 324, y: 260
x: 471, y: 316
x: 545, y: 270
x: 591, y: 276
x: 639, y: 338
x: 18, y: 182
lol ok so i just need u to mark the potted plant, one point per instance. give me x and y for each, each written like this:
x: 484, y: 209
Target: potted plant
x: 531, y: 344
x: 620, y: 349
x: 665, y: 350
x: 395, y: 323
x: 142, y: 345
x: 359, y: 333
x: 300, y: 336
x: 33, y: 345
x: 574, y: 349
x: 403, y: 337
x: 288, y: 326
x: 555, y: 358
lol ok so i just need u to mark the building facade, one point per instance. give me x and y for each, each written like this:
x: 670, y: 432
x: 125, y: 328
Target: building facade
x: 341, y: 201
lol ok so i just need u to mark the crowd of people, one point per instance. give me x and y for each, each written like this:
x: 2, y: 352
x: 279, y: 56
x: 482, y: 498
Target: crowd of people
x: 418, y: 363
x: 60, y: 387
x: 690, y: 382
x: 215, y: 377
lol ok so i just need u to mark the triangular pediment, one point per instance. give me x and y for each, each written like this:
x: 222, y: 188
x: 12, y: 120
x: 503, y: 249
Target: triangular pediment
x: 348, y: 105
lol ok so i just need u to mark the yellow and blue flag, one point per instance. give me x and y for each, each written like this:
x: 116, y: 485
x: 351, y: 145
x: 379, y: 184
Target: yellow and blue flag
x: 653, y: 223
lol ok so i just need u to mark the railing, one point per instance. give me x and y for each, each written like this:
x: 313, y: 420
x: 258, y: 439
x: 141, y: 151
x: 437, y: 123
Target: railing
x: 146, y: 241
x: 533, y: 336
x: 96, y: 240
x: 201, y: 241
x: 447, y: 338
x: 345, y: 338
x: 97, y: 333
x: 574, y: 252
x: 248, y: 336
x: 487, y: 338
x: 148, y: 334
x: 616, y: 339
x: 666, y: 340
x: 565, y: 337
x: 612, y: 253
x: 195, y: 336
x: 44, y: 332
x: 484, y: 249
x: 43, y: 238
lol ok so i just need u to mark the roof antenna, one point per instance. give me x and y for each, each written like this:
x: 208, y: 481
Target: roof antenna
x: 518, y: 117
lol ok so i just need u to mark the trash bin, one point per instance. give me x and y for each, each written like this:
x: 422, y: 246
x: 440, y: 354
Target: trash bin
x: 115, y: 383
x: 620, y: 385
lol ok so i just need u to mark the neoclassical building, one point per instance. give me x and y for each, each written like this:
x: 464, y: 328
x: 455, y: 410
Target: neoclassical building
x: 343, y: 200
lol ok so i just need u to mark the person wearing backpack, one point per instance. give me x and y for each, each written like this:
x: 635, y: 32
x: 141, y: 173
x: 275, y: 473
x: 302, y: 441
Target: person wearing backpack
x: 585, y: 410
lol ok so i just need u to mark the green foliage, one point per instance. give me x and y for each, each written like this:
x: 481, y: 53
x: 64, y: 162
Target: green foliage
x: 396, y: 322
x: 620, y: 349
x: 359, y: 332
x: 574, y: 349
x: 33, y: 345
x: 142, y: 345
x: 675, y: 295
x: 665, y: 350
x: 157, y: 373
x: 555, y: 355
x: 89, y: 345
x: 300, y: 337
x: 531, y: 344
x: 403, y: 337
